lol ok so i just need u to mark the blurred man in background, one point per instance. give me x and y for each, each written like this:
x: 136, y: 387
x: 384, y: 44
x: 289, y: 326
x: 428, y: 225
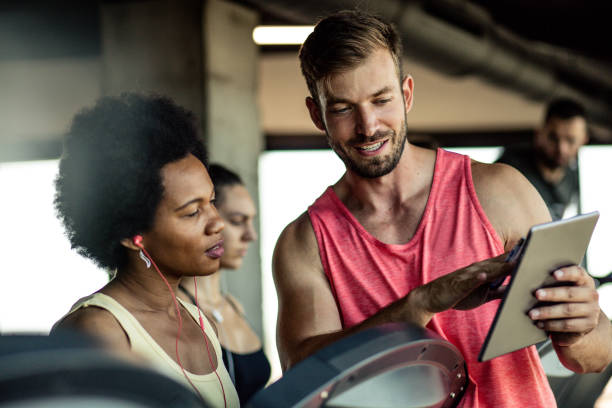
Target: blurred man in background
x: 550, y: 162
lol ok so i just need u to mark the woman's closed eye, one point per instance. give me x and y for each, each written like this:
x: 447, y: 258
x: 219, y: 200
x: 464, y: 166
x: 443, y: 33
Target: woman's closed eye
x: 193, y: 214
x: 238, y: 221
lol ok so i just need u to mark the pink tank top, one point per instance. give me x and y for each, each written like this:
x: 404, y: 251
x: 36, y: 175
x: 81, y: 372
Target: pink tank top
x: 366, y: 275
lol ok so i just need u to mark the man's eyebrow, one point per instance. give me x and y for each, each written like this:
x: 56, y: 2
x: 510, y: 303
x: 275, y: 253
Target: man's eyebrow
x: 384, y: 90
x: 187, y: 204
x: 332, y: 100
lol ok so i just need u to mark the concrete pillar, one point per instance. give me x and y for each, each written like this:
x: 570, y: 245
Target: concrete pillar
x: 201, y: 54
x: 154, y: 46
x: 234, y: 135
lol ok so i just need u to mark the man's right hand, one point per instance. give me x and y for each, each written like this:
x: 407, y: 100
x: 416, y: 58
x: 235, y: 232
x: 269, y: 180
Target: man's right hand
x: 465, y: 288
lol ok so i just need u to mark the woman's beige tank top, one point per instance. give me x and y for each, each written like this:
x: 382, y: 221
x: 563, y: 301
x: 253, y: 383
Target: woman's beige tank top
x: 143, y: 344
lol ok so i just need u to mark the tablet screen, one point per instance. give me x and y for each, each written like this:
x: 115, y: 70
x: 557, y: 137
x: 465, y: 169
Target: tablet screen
x: 547, y: 247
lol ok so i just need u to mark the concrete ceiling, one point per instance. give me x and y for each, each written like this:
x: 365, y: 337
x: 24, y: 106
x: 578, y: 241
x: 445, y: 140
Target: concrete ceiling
x: 50, y: 63
x: 539, y: 50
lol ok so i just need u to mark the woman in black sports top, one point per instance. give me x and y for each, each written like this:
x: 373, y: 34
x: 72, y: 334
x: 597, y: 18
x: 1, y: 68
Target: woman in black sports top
x: 243, y: 354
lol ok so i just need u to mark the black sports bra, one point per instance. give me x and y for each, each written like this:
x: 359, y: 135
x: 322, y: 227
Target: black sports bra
x: 251, y: 372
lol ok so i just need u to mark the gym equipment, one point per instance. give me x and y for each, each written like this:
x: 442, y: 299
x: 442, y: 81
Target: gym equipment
x: 392, y: 365
x: 69, y: 370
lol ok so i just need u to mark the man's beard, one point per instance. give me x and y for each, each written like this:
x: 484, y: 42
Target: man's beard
x: 550, y: 163
x: 376, y: 166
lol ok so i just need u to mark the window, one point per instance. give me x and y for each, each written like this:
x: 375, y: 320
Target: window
x: 595, y: 168
x: 41, y: 276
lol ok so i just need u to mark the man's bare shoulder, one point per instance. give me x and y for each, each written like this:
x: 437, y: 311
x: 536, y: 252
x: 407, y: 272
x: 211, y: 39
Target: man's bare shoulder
x: 496, y: 176
x: 297, y: 244
x: 97, y: 322
x: 299, y: 234
x: 509, y: 200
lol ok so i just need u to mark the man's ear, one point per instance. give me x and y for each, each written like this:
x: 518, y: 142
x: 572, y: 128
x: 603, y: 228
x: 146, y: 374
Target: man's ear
x: 129, y: 244
x: 315, y: 113
x: 407, y: 91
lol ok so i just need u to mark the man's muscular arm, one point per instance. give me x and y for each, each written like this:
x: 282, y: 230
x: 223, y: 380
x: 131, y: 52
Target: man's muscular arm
x: 580, y: 331
x: 308, y: 316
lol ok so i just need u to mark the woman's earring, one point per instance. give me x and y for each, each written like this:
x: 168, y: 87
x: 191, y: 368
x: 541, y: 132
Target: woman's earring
x: 144, y: 258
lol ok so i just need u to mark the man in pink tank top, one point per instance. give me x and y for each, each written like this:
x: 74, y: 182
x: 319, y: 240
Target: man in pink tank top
x: 415, y: 235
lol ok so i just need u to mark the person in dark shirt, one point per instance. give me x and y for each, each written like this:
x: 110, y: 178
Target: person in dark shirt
x: 243, y: 354
x: 549, y: 163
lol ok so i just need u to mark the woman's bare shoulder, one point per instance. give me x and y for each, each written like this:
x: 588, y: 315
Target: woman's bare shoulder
x: 96, y: 322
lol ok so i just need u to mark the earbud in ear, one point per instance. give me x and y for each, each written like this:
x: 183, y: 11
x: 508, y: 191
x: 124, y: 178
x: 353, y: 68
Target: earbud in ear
x: 137, y: 239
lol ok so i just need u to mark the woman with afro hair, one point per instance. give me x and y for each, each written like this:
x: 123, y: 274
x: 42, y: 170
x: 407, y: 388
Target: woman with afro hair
x: 135, y: 196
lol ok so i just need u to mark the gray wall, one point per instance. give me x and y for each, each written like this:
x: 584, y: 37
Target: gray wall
x: 234, y: 135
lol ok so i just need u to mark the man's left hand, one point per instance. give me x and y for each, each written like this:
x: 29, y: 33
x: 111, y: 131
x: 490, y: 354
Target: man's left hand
x: 575, y: 310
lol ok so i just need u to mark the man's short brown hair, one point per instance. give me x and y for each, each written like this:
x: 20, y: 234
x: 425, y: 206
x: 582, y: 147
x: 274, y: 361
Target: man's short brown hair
x: 342, y: 41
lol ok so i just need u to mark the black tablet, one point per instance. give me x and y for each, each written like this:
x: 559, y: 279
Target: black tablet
x: 547, y: 247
